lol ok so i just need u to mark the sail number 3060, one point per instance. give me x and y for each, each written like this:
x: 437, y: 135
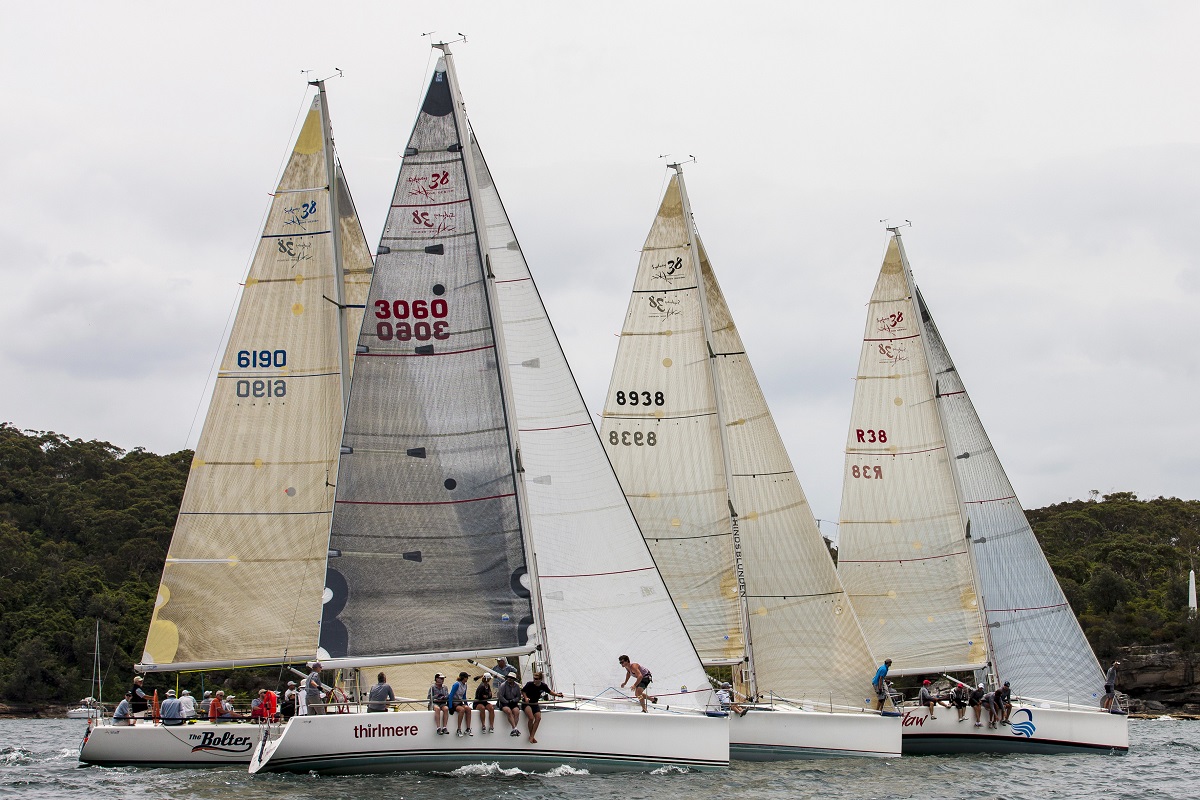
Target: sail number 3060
x: 430, y: 316
x: 633, y: 438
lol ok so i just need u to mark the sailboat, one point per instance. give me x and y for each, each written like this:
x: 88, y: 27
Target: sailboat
x: 940, y: 562
x: 90, y: 707
x: 706, y: 472
x: 476, y: 513
x: 244, y: 573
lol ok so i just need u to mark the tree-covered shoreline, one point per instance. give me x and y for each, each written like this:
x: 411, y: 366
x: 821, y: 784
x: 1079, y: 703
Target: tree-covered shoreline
x: 85, y: 526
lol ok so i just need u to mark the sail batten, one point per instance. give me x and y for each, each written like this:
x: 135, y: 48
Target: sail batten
x: 241, y: 583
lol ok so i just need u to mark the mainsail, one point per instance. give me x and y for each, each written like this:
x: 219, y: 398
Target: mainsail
x: 243, y: 575
x: 1036, y: 641
x: 903, y: 553
x: 426, y: 554
x: 690, y: 434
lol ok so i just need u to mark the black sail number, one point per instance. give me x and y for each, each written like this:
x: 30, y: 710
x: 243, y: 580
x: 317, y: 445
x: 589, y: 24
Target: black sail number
x: 640, y: 398
x: 632, y: 438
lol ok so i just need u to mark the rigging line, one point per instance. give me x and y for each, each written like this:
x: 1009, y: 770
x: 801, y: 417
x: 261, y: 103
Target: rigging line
x: 791, y: 596
x: 662, y: 418
x: 598, y: 574
x: 665, y: 290
x: 688, y: 538
x: 951, y: 394
x: 897, y: 560
x: 292, y: 234
x: 514, y: 280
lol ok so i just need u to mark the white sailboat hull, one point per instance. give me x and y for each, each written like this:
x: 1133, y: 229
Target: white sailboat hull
x: 598, y: 741
x: 785, y: 734
x: 148, y: 745
x: 83, y: 713
x: 1033, y: 730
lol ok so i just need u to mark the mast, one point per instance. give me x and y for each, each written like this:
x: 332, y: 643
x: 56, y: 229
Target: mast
x: 1192, y: 594
x: 510, y: 416
x: 335, y: 229
x: 919, y: 303
x: 721, y: 419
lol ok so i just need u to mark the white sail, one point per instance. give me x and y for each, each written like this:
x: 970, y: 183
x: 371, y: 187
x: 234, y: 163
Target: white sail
x: 1036, y: 642
x: 716, y: 492
x: 243, y: 574
x: 902, y: 552
x: 594, y: 569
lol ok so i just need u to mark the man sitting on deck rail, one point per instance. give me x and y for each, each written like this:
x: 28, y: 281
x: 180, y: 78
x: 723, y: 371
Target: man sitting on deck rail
x: 508, y: 698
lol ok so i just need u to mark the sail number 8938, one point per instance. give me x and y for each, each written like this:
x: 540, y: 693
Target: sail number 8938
x: 640, y: 398
x: 633, y: 438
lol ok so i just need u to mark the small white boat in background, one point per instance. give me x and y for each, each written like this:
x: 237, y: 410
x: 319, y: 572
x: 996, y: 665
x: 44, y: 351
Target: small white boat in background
x: 88, y: 708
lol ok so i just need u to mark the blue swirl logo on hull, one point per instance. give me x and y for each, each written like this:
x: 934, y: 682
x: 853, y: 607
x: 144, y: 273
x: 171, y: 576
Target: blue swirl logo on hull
x: 1025, y: 728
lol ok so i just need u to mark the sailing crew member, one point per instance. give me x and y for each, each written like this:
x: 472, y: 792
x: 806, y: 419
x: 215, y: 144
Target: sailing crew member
x: 1110, y: 687
x: 171, y: 711
x: 205, y: 703
x: 1003, y: 697
x: 959, y: 696
x: 483, y: 703
x: 379, y: 694
x: 139, y: 701
x: 316, y: 704
x: 727, y: 697
x: 988, y: 701
x: 928, y: 700
x: 289, y: 700
x: 976, y: 703
x: 881, y: 689
x: 641, y: 680
x: 508, y: 697
x: 124, y: 713
x: 458, y: 704
x: 534, y: 691
x: 439, y: 697
x: 503, y: 669
x: 187, y: 705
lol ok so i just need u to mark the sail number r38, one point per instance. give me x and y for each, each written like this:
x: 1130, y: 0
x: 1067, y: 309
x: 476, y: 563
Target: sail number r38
x: 867, y: 473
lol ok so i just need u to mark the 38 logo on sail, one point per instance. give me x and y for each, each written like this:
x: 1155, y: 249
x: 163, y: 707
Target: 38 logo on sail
x: 398, y: 320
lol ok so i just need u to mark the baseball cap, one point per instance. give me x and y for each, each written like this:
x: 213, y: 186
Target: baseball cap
x: 439, y: 675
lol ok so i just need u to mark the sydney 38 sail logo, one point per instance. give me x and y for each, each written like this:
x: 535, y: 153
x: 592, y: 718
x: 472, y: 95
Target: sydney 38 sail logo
x: 892, y: 325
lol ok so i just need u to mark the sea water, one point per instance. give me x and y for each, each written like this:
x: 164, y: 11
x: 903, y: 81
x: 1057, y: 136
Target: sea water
x: 39, y: 759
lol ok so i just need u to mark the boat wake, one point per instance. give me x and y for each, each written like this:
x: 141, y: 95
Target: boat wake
x: 670, y: 769
x: 494, y: 769
x: 14, y: 757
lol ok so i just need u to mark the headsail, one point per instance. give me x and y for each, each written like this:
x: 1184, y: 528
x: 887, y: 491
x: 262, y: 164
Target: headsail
x: 716, y: 492
x: 426, y: 551
x: 595, y: 572
x: 903, y: 552
x: 1036, y: 641
x: 243, y: 574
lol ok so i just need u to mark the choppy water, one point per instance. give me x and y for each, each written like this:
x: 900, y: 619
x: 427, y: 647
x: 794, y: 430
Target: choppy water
x: 38, y: 760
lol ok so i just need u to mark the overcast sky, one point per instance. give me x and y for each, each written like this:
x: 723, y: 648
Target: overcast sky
x: 1048, y: 155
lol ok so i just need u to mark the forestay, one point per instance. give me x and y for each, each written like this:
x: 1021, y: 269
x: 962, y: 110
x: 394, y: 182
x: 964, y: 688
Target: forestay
x: 903, y: 553
x: 1036, y: 641
x: 601, y: 594
x: 426, y: 554
x: 243, y: 574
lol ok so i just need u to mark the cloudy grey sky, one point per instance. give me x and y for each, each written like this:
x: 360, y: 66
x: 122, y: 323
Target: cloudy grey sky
x: 1048, y: 155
